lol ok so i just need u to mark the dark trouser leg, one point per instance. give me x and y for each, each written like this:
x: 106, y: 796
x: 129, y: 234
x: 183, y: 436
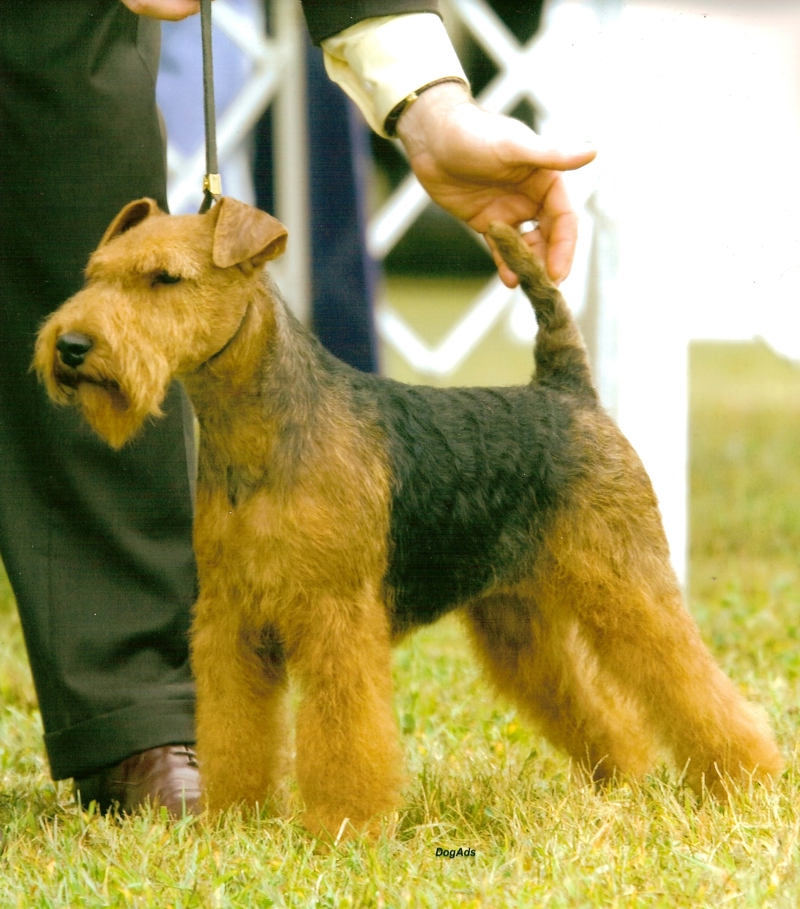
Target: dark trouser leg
x: 343, y: 275
x: 97, y: 544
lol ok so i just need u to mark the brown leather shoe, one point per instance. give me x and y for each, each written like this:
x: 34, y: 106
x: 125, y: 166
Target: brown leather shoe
x: 167, y: 776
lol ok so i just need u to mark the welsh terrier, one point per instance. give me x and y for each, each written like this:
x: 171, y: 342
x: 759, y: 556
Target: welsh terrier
x: 337, y: 511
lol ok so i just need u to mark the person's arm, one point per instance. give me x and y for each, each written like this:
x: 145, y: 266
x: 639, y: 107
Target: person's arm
x: 326, y: 18
x: 403, y: 73
x: 380, y: 62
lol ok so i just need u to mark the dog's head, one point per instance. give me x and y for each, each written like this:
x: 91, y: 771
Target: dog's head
x: 163, y: 295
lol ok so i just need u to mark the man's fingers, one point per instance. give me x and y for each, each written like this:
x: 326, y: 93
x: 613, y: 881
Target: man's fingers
x: 524, y: 148
x: 558, y: 226
x: 171, y: 10
x: 570, y: 161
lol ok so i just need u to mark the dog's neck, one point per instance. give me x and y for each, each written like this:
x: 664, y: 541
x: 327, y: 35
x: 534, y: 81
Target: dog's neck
x: 255, y: 400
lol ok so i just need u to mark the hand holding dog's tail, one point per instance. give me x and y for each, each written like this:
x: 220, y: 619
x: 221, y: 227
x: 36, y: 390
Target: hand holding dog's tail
x: 561, y: 360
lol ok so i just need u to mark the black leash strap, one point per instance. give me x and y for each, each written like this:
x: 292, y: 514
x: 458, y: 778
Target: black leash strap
x: 212, y: 182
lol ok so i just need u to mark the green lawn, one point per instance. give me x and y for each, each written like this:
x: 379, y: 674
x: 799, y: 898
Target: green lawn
x: 481, y: 780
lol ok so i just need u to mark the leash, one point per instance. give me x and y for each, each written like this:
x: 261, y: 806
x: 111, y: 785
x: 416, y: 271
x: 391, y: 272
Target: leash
x: 212, y: 182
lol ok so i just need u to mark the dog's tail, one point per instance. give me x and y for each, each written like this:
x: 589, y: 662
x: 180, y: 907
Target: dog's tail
x: 560, y: 355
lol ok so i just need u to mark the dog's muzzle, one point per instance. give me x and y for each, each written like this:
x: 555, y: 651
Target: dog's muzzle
x: 72, y: 348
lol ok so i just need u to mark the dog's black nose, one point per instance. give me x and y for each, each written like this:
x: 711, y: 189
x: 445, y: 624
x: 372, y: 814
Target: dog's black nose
x: 72, y: 348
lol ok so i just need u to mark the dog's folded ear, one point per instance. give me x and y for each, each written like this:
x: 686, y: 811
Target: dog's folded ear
x: 244, y: 235
x: 133, y: 213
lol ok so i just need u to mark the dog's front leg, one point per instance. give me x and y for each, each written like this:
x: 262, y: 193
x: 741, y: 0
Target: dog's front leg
x: 242, y: 715
x: 349, y: 765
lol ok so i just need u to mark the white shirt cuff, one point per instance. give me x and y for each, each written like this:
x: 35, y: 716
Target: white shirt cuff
x: 379, y: 62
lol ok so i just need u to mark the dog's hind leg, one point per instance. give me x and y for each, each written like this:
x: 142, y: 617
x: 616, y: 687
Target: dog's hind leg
x: 615, y: 579
x: 548, y: 672
x: 655, y: 652
x: 242, y: 708
x: 349, y: 763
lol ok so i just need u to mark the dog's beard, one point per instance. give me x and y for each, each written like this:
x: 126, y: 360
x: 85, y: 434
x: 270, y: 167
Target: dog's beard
x: 115, y: 410
x: 107, y: 410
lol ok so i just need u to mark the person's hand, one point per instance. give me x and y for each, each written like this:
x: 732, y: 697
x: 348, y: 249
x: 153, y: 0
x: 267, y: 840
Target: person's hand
x: 172, y: 10
x: 484, y: 167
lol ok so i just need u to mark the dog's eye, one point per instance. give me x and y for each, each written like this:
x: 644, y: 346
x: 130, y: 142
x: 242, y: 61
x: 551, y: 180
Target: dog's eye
x: 164, y: 277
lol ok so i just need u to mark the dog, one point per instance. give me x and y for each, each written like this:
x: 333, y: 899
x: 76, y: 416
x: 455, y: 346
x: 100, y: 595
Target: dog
x: 338, y: 511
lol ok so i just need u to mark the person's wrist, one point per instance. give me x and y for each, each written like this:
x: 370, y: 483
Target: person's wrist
x: 417, y: 122
x: 390, y: 124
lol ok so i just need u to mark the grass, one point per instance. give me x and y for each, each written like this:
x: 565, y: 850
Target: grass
x: 479, y: 779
